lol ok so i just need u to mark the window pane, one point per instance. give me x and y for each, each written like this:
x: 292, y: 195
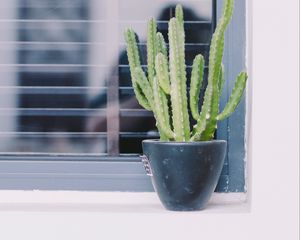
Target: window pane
x: 64, y: 77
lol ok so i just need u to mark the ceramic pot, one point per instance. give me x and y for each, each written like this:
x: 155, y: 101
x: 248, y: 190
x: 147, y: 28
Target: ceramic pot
x: 184, y: 174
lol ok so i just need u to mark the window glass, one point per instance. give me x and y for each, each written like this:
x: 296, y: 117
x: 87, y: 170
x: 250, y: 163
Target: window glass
x: 64, y: 77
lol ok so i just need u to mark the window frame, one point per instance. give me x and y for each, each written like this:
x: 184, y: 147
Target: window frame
x: 233, y: 129
x: 126, y: 173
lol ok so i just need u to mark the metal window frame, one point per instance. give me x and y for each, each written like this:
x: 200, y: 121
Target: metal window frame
x: 233, y: 129
x: 126, y: 173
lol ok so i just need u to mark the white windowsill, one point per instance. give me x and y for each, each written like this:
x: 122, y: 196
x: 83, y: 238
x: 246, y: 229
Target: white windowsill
x: 109, y: 202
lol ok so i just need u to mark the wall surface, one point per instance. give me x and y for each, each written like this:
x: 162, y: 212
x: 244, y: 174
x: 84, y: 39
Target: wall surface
x: 273, y: 54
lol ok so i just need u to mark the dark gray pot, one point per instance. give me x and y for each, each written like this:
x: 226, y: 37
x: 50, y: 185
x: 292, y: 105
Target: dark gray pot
x: 184, y: 175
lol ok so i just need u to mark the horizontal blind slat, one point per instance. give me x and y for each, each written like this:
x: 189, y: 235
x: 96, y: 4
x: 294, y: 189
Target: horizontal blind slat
x: 56, y: 134
x: 71, y: 112
x: 94, y: 21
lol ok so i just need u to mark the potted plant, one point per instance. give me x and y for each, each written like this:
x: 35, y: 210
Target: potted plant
x: 186, y: 163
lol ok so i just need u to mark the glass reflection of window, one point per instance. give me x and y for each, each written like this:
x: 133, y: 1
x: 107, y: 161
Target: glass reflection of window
x: 52, y: 73
x: 73, y: 89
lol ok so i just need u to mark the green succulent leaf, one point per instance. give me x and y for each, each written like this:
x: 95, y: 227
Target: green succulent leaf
x: 179, y: 15
x: 160, y: 109
x: 134, y: 62
x: 161, y: 45
x: 236, y: 96
x: 196, y: 83
x: 178, y: 82
x: 151, y: 49
x: 162, y: 71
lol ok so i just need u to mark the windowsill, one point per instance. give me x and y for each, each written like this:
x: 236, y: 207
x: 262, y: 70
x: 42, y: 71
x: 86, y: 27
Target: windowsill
x: 109, y: 202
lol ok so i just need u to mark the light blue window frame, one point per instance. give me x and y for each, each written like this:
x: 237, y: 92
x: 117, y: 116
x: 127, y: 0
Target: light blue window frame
x: 233, y: 128
x: 93, y: 172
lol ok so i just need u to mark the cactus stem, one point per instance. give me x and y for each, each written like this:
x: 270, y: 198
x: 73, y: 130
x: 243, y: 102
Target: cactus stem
x: 168, y: 77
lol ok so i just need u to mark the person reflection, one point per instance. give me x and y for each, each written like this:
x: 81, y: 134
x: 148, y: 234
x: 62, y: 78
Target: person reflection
x: 197, y: 33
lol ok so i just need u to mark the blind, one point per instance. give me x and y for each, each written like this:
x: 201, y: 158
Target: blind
x: 64, y: 77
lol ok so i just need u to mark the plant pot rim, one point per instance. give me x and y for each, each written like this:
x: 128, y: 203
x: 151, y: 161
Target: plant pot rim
x: 157, y: 141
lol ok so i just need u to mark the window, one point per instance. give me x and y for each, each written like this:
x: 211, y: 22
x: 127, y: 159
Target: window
x: 69, y: 118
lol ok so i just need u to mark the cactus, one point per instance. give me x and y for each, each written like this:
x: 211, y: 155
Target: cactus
x: 165, y: 85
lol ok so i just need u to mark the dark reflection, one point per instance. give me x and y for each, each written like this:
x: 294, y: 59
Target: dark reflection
x: 56, y: 78
x: 197, y: 39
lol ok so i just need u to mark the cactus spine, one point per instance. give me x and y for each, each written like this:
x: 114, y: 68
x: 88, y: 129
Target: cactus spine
x: 165, y: 84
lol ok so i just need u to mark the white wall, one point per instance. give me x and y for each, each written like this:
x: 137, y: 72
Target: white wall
x: 274, y: 170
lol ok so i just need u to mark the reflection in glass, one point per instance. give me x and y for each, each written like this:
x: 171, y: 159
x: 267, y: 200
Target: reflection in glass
x: 64, y: 77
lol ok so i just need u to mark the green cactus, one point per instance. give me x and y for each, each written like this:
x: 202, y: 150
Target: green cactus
x: 196, y: 83
x: 178, y: 82
x: 165, y: 84
x: 134, y: 60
